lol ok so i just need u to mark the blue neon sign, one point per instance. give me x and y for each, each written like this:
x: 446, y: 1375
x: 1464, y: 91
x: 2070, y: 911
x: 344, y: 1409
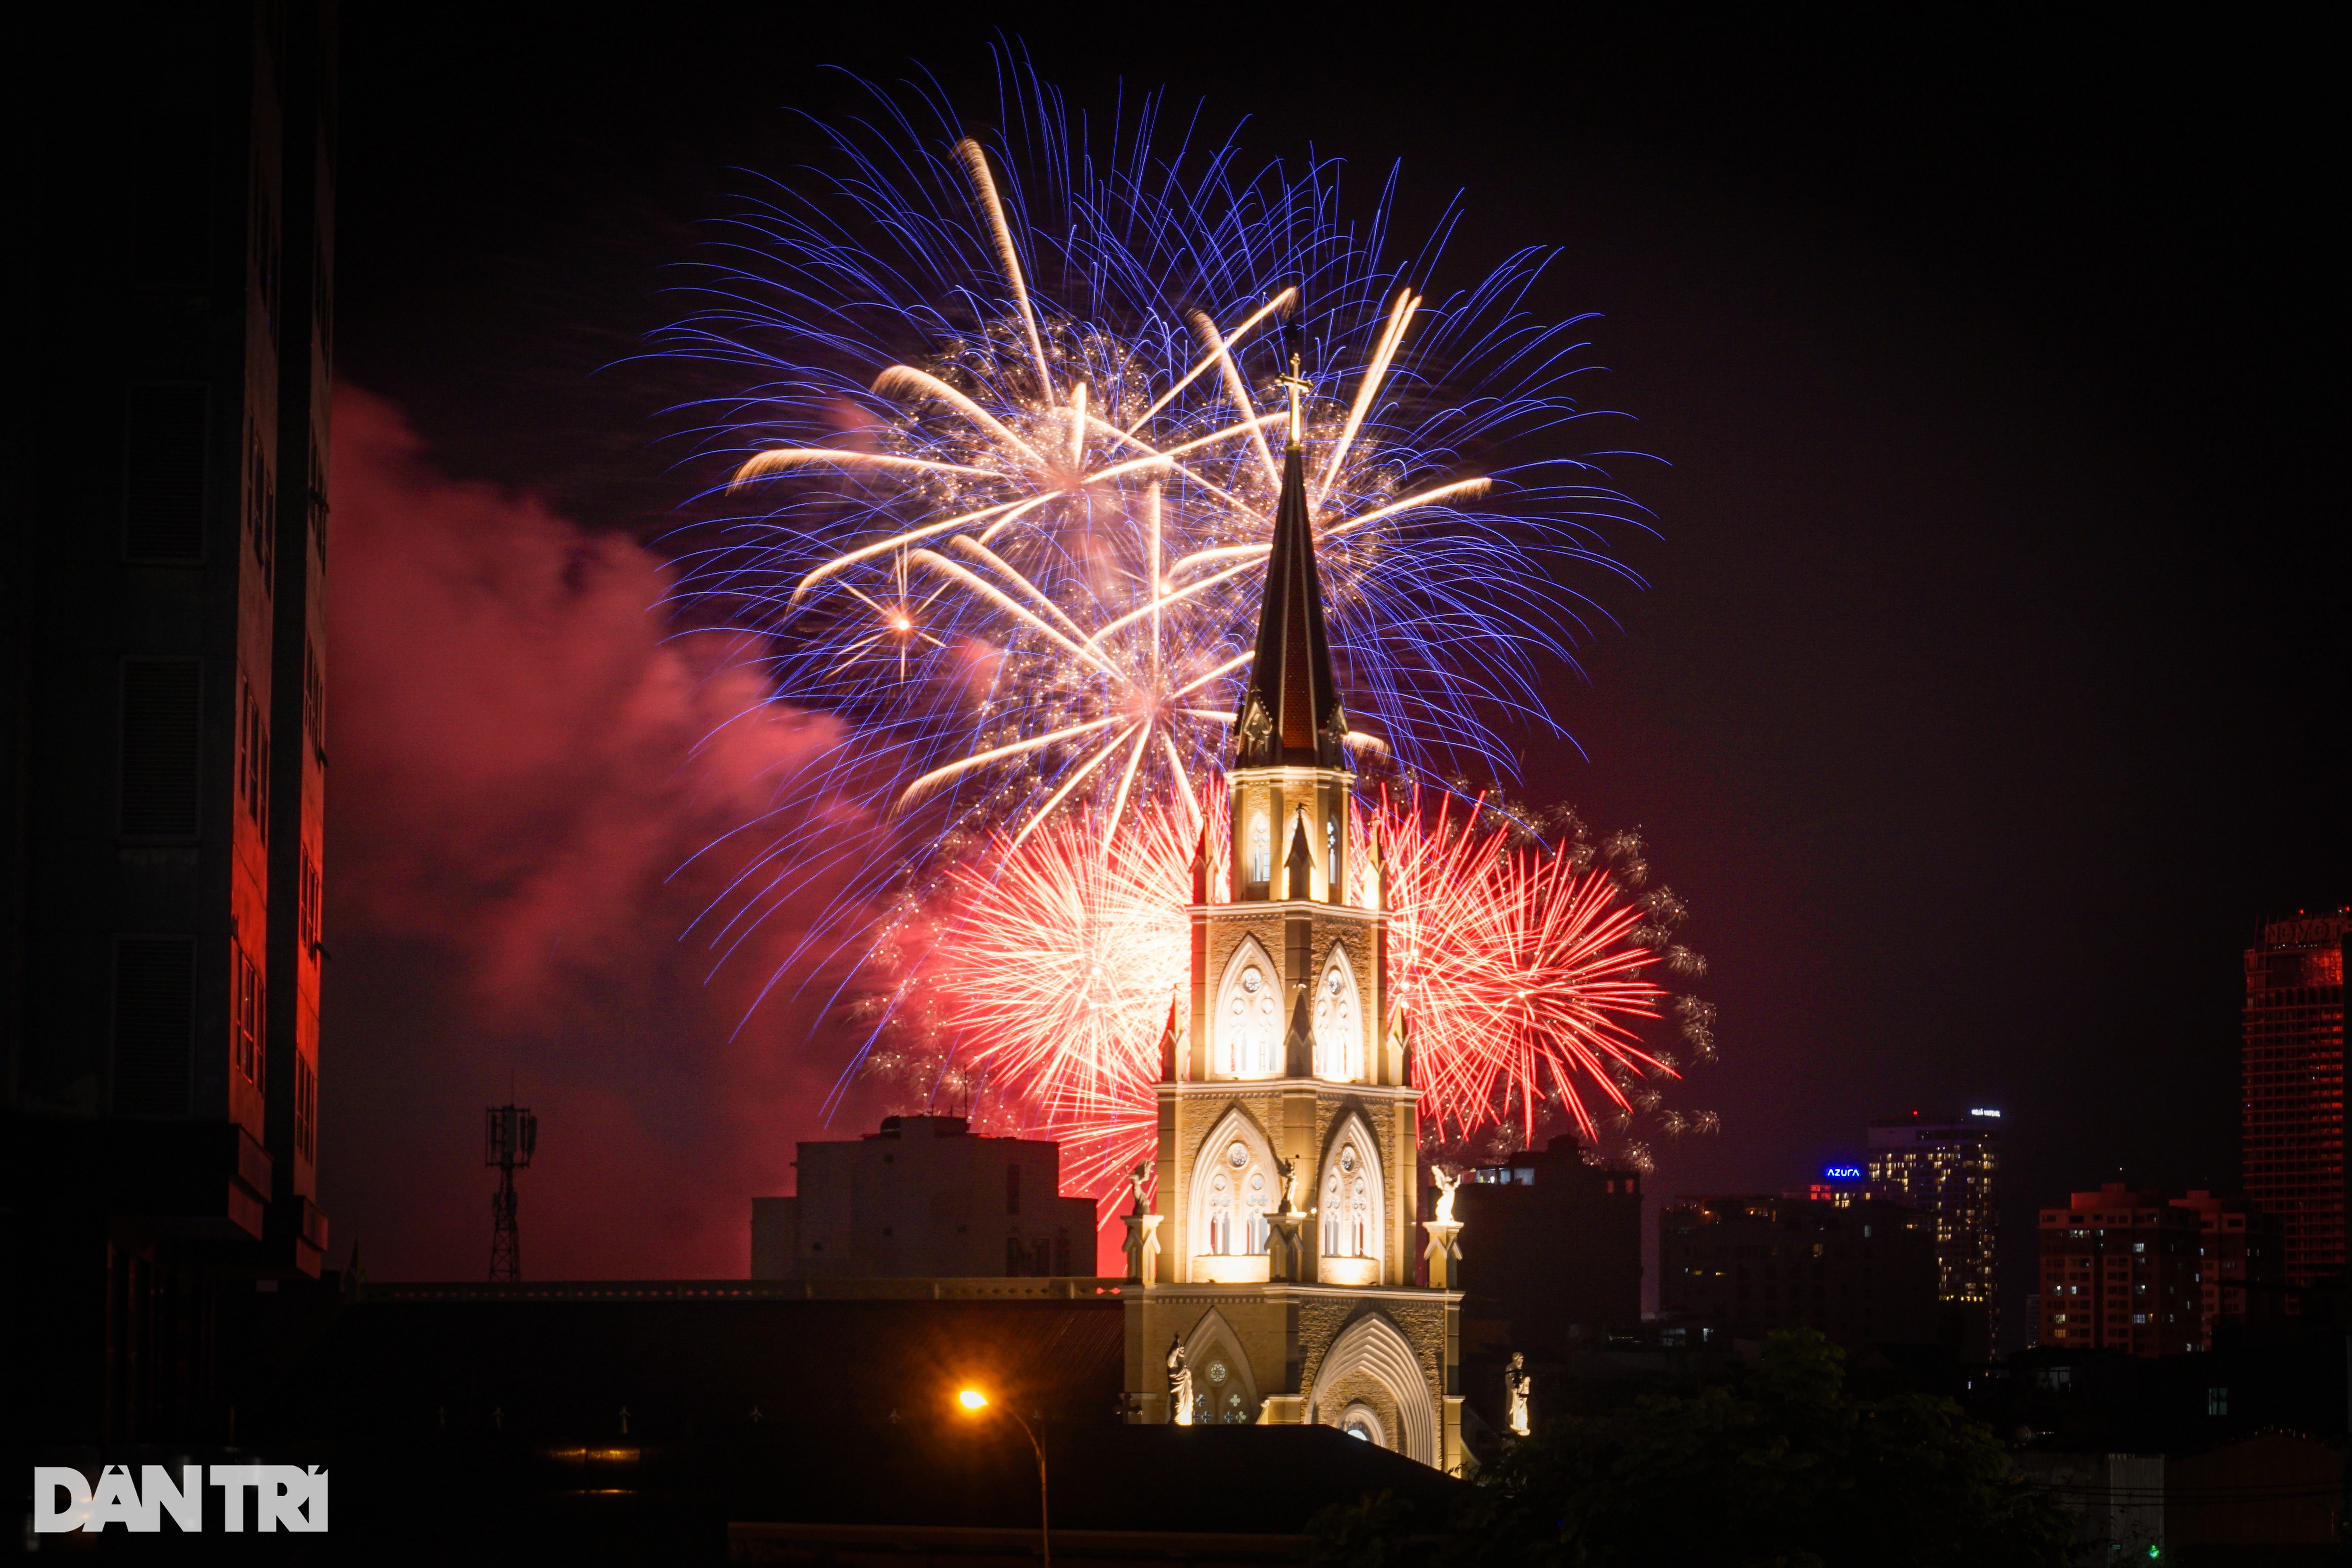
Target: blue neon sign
x: 1841, y: 1173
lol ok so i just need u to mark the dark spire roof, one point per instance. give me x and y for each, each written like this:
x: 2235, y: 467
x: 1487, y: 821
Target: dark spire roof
x: 1290, y: 711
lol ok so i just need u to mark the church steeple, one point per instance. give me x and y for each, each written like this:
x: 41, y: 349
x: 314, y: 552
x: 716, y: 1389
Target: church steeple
x: 1290, y: 713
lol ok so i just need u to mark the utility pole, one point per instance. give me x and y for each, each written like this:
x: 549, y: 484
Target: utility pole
x: 509, y: 1133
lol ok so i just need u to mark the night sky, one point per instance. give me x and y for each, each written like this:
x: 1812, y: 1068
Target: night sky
x: 1988, y: 690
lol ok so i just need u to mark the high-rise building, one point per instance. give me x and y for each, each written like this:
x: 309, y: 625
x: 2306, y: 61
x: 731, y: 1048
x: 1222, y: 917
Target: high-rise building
x: 2120, y: 1270
x: 1562, y: 1264
x: 2292, y: 1076
x: 923, y: 1197
x: 1946, y: 1166
x: 2240, y: 1261
x: 1861, y: 1272
x: 163, y: 586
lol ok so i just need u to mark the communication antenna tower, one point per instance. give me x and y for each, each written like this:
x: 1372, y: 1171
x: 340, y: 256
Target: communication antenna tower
x: 509, y: 1133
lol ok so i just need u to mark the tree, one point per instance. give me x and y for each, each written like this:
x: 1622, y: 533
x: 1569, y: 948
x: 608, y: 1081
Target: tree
x: 1784, y: 1470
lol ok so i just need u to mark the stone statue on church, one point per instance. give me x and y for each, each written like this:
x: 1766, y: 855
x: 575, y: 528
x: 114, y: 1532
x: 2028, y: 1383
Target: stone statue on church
x: 1180, y: 1385
x: 1447, y: 1182
x: 1289, y: 1169
x: 1518, y: 1384
x: 1135, y: 1186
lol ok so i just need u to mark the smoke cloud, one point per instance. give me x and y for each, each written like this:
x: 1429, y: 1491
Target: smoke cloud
x: 524, y: 766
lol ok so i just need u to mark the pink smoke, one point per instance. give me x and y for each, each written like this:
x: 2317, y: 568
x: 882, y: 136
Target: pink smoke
x: 524, y: 766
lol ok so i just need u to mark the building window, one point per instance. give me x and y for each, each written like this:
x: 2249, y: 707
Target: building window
x: 154, y: 1024
x: 163, y: 474
x: 308, y: 891
x: 161, y: 746
x: 1238, y: 1196
x: 1331, y: 856
x: 1249, y: 1024
x: 305, y: 1108
x: 1261, y: 852
x: 1338, y: 1031
x: 260, y: 504
x: 314, y: 514
x: 314, y: 700
x: 252, y: 755
x: 249, y: 1032
x: 2217, y: 1402
x: 1348, y: 1205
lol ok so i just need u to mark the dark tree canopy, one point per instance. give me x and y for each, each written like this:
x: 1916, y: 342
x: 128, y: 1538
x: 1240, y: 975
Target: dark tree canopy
x: 1785, y: 1469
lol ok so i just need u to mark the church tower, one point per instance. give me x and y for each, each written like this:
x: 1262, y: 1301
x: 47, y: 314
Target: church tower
x: 1281, y: 1260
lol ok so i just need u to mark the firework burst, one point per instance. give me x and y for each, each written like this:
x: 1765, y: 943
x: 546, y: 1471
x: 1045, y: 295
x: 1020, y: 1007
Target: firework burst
x: 1008, y: 432
x: 1526, y: 970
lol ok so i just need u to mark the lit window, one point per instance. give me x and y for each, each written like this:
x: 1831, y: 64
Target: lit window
x: 1261, y: 852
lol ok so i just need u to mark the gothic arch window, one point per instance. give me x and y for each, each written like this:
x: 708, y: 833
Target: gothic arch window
x: 1331, y: 856
x: 1348, y: 1196
x: 1249, y: 1015
x: 1338, y: 1020
x: 1223, y: 1391
x: 1261, y: 850
x: 1233, y: 1189
x: 1362, y: 1421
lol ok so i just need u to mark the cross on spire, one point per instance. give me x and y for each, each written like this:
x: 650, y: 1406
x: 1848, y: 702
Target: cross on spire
x: 1298, y: 389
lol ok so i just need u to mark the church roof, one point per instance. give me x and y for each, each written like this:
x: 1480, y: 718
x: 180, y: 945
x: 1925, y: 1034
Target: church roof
x: 1290, y: 711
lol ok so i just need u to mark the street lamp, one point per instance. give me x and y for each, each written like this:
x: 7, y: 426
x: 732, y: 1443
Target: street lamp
x: 974, y: 1402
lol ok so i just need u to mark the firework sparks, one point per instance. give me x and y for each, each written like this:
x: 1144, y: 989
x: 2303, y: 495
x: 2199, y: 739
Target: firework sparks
x: 1525, y: 971
x: 1011, y: 433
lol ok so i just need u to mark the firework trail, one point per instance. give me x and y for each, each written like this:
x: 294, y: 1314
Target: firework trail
x: 1006, y: 427
x: 1524, y: 969
x: 1004, y: 441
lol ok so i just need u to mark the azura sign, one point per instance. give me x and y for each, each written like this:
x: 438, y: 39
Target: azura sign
x: 285, y: 1497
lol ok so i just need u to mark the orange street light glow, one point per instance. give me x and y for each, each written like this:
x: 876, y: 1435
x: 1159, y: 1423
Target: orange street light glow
x: 972, y: 1399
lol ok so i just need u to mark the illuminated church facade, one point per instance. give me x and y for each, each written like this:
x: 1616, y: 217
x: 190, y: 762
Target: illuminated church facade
x: 1276, y: 1281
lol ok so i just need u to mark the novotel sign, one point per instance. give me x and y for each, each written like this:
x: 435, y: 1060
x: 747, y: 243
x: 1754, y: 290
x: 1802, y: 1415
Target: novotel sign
x: 1841, y: 1172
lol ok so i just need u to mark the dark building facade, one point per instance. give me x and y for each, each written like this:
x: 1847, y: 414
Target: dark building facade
x: 163, y: 586
x: 2240, y: 1262
x: 1948, y: 1166
x: 1560, y: 1265
x: 2292, y: 1072
x: 1861, y: 1272
x: 2120, y: 1270
x: 923, y: 1197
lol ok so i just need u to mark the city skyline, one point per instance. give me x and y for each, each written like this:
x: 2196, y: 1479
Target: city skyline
x: 1818, y: 711
x: 1847, y: 813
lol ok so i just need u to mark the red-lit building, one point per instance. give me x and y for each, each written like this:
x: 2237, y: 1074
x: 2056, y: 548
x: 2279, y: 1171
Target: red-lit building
x: 2120, y: 1271
x: 163, y: 586
x: 2242, y: 1254
x: 2292, y: 1074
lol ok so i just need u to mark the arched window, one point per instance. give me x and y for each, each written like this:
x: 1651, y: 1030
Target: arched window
x: 1339, y: 1022
x: 1249, y: 1019
x: 1331, y: 853
x: 1348, y: 1206
x: 1239, y: 1193
x: 1347, y: 1198
x: 1261, y: 851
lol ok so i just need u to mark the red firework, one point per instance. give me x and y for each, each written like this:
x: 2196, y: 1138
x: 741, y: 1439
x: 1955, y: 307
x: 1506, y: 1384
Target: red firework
x: 1515, y: 971
x: 1519, y: 968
